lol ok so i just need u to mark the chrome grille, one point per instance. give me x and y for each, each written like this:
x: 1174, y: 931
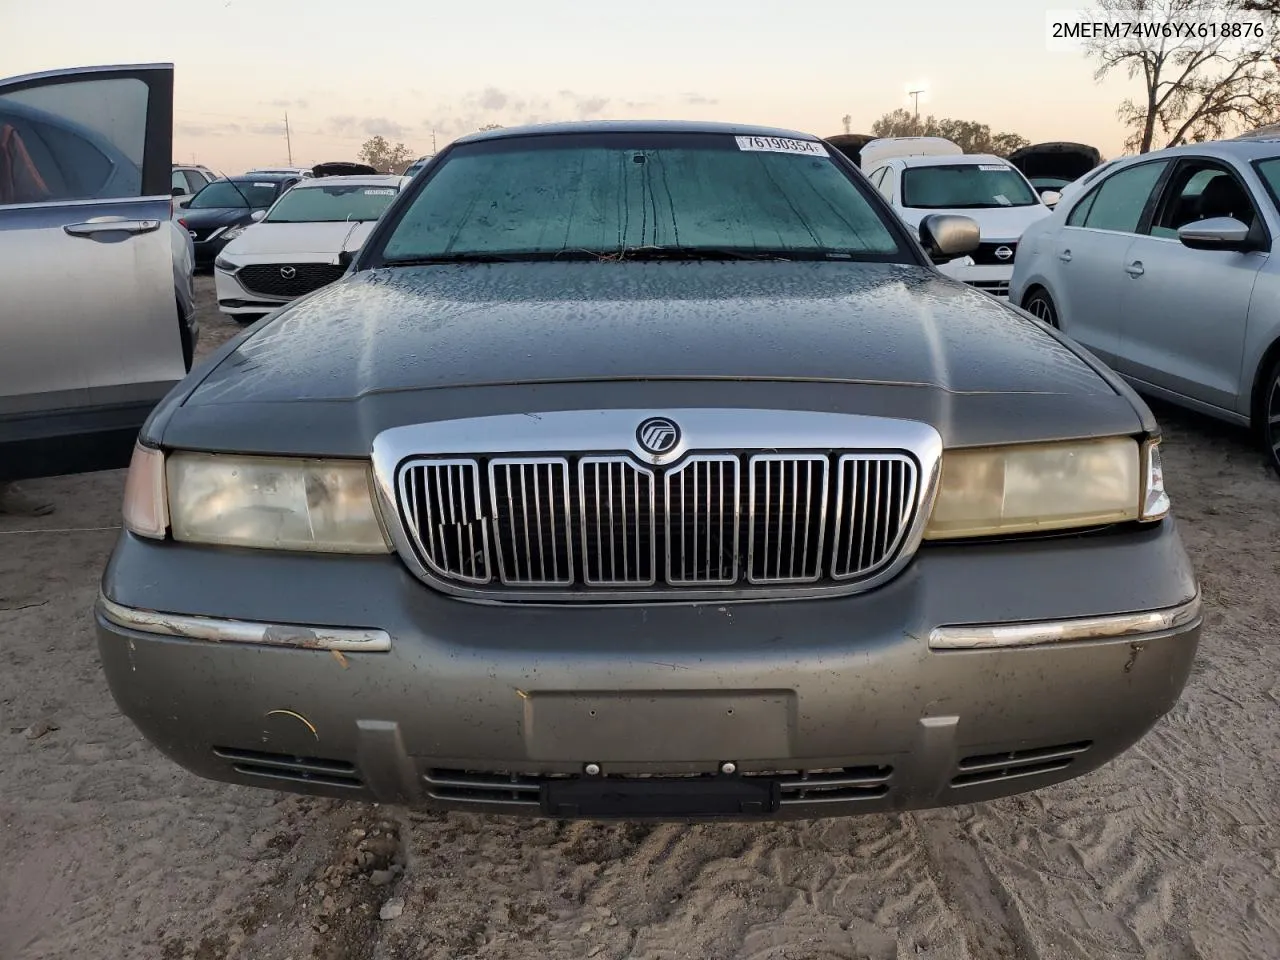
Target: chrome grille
x: 584, y: 523
x: 788, y: 514
x: 871, y: 522
x: 619, y: 546
x: 441, y: 501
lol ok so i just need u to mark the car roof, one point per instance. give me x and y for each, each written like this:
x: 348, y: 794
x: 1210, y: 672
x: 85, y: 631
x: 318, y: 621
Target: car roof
x: 634, y: 126
x: 261, y: 175
x: 951, y: 160
x: 1245, y: 149
x: 355, y: 179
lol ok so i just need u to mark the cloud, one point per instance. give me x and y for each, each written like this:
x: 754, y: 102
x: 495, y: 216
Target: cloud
x: 591, y: 106
x: 286, y: 104
x: 274, y: 128
x: 698, y: 100
x: 493, y: 99
x: 348, y: 125
x: 188, y: 128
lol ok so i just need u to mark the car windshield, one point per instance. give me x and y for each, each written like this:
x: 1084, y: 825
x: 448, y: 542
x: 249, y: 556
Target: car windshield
x: 634, y: 196
x: 1269, y: 170
x: 958, y: 186
x: 332, y: 202
x: 234, y: 193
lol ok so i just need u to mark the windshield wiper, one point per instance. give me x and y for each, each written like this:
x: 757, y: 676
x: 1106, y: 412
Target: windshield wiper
x: 463, y: 258
x: 674, y: 252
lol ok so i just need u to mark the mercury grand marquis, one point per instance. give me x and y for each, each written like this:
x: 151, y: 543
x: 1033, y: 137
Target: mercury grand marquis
x: 648, y: 471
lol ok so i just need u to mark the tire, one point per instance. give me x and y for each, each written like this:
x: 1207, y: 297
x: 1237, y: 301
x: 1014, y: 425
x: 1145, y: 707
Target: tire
x: 1040, y: 305
x: 1269, y: 416
x: 245, y: 319
x: 188, y: 343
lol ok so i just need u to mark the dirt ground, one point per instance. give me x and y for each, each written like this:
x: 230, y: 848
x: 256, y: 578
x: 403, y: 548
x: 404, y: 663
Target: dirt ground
x: 108, y: 850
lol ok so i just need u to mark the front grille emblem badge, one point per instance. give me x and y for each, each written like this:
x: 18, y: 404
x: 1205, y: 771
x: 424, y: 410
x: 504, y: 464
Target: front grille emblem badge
x: 658, y: 435
x: 288, y: 273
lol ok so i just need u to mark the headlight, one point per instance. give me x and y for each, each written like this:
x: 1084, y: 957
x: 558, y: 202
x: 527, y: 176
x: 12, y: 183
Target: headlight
x: 994, y: 491
x: 222, y: 263
x: 232, y: 233
x: 277, y: 503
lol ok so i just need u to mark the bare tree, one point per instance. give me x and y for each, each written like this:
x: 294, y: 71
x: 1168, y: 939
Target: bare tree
x: 1194, y: 88
x: 847, y: 119
x: 970, y: 136
x: 378, y: 152
x: 491, y: 126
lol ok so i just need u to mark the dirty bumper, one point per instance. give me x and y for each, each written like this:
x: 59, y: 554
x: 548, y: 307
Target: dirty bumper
x: 982, y: 670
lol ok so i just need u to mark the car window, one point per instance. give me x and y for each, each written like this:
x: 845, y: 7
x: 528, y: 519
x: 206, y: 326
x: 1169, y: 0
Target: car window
x: 965, y: 186
x: 332, y: 203
x: 601, y: 194
x: 235, y: 193
x: 196, y: 181
x: 179, y: 181
x: 1200, y: 190
x: 1117, y: 202
x: 80, y: 140
x: 886, y: 185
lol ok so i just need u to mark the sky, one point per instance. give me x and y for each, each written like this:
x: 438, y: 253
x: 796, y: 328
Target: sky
x: 408, y: 69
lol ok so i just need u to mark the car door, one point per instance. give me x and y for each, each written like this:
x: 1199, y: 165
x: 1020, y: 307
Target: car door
x: 1185, y: 311
x: 1087, y: 269
x: 89, y: 327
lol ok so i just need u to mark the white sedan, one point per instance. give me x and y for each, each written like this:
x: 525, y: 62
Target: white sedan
x: 296, y: 246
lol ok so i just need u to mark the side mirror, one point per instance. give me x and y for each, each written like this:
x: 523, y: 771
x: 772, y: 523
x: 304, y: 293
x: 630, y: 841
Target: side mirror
x: 345, y: 258
x: 1051, y: 198
x: 257, y: 215
x: 1216, y: 233
x: 178, y: 192
x: 184, y: 204
x: 947, y: 237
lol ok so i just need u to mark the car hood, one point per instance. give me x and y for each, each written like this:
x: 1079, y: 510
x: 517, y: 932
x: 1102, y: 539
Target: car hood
x: 994, y: 223
x: 322, y: 240
x: 214, y: 216
x: 384, y: 347
x: 1068, y: 161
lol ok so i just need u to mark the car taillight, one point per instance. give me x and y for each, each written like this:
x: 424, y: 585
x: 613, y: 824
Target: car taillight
x: 182, y: 223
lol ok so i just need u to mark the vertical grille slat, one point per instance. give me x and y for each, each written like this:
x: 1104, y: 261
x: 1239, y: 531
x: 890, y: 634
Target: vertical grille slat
x: 433, y: 496
x: 705, y: 551
x: 617, y: 554
x: 600, y: 521
x: 876, y: 503
x: 529, y: 498
x: 773, y: 517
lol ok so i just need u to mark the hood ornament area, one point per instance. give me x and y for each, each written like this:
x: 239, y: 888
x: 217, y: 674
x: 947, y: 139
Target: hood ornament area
x: 658, y: 435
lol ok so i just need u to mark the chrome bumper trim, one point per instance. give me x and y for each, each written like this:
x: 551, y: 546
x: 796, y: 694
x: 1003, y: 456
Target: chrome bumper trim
x: 1112, y: 627
x: 342, y: 639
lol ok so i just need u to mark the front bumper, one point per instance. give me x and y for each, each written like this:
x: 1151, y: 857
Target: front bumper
x: 236, y: 299
x: 994, y: 279
x: 818, y: 707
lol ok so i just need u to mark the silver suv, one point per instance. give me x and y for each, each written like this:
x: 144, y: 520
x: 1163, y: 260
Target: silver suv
x: 98, y: 318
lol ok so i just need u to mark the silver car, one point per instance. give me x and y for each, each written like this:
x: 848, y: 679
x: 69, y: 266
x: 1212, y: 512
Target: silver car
x: 1163, y: 268
x: 96, y: 315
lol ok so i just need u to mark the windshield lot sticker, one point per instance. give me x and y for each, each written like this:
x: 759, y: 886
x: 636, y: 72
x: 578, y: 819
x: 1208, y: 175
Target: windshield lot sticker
x: 380, y: 192
x: 992, y: 166
x: 807, y: 148
x: 264, y: 184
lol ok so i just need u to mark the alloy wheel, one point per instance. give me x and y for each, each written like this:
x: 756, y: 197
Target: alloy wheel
x: 1041, y: 307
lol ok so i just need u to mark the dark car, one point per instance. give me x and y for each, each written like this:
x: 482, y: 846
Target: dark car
x: 649, y: 470
x: 219, y: 213
x: 342, y: 168
x: 1051, y: 166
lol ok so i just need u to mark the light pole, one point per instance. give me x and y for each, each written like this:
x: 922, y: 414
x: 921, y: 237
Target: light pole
x: 915, y: 94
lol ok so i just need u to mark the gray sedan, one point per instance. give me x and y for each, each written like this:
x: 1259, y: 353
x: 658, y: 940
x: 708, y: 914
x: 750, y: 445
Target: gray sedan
x: 1164, y: 268
x: 649, y: 471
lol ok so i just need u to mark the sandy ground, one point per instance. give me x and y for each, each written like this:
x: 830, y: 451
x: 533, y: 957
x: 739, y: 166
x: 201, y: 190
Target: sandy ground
x: 107, y: 850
